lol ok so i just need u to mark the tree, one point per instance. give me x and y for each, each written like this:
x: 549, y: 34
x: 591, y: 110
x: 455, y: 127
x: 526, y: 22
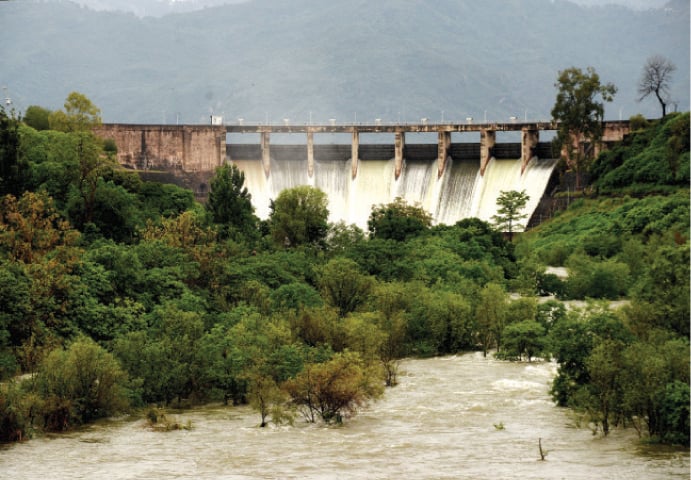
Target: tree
x: 602, y: 397
x: 342, y: 237
x: 31, y: 227
x: 579, y: 109
x: 13, y: 168
x: 37, y: 117
x: 398, y: 220
x: 230, y: 203
x: 525, y: 337
x: 391, y: 300
x: 299, y: 217
x: 344, y: 286
x: 490, y: 313
x: 509, y: 214
x: 80, y: 115
x: 81, y: 384
x: 657, y: 74
x: 335, y: 388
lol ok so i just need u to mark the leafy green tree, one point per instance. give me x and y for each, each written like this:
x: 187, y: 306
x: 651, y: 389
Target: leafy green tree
x: 92, y: 163
x: 526, y: 337
x: 385, y: 259
x: 37, y: 117
x: 342, y: 237
x: 363, y: 335
x: 266, y: 397
x: 579, y: 109
x: 125, y: 271
x: 656, y: 77
x: 490, y: 314
x: 112, y: 211
x: 510, y: 203
x: 80, y: 384
x: 13, y: 167
x: 299, y: 217
x: 79, y: 115
x: 665, y: 286
x: 15, y: 308
x: 602, y: 397
x: 590, y: 278
x: 549, y: 313
x: 391, y: 300
x: 18, y: 411
x: 317, y: 327
x: 230, y: 203
x: 674, y: 421
x: 649, y: 370
x: 571, y: 341
x: 398, y: 221
x: 295, y: 296
x: 51, y: 157
x: 343, y: 285
x: 334, y: 389
x: 167, y: 356
x: 162, y: 199
x: 522, y: 309
x: 225, y: 362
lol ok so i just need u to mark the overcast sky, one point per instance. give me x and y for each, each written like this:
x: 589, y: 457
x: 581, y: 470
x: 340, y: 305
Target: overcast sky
x: 138, y: 7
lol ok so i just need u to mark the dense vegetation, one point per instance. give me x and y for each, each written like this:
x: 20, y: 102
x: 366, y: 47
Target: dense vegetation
x: 119, y: 293
x: 629, y: 366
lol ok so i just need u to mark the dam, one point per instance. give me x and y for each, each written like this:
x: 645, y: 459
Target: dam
x: 451, y: 178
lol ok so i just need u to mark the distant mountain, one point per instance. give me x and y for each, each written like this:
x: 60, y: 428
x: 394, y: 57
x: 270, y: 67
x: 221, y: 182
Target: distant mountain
x: 152, y: 8
x: 356, y: 60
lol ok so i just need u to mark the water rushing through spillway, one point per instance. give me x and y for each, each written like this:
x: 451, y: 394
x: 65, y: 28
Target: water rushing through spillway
x: 461, y: 192
x: 438, y: 423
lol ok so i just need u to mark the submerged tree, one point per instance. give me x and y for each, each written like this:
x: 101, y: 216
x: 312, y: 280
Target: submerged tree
x: 657, y: 74
x: 334, y: 389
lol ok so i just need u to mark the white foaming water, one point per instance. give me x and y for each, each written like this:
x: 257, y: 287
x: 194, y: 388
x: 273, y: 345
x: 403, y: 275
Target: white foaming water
x: 460, y: 193
x: 458, y: 185
x: 504, y: 175
x: 372, y: 186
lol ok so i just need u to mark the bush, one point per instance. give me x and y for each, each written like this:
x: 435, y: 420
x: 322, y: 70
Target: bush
x: 674, y: 422
x: 80, y: 384
x: 592, y: 279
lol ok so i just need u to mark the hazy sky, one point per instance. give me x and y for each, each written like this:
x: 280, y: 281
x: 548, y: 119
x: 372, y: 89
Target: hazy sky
x: 134, y: 5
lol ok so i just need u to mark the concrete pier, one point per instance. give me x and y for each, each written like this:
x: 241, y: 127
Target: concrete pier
x: 199, y: 149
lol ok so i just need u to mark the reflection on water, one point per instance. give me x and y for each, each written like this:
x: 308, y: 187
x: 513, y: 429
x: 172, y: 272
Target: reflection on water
x: 439, y: 423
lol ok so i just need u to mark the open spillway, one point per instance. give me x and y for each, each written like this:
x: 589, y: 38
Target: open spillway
x: 461, y: 192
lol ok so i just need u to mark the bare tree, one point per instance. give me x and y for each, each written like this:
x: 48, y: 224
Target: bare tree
x: 657, y: 74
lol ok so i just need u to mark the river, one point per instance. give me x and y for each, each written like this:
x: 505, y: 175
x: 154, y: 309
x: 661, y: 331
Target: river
x: 438, y: 423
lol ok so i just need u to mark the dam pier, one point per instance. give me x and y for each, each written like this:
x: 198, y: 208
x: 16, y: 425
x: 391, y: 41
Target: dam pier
x: 202, y: 148
x: 458, y: 176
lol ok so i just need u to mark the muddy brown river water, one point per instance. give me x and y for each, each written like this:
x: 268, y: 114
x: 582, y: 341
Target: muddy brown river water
x: 438, y: 423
